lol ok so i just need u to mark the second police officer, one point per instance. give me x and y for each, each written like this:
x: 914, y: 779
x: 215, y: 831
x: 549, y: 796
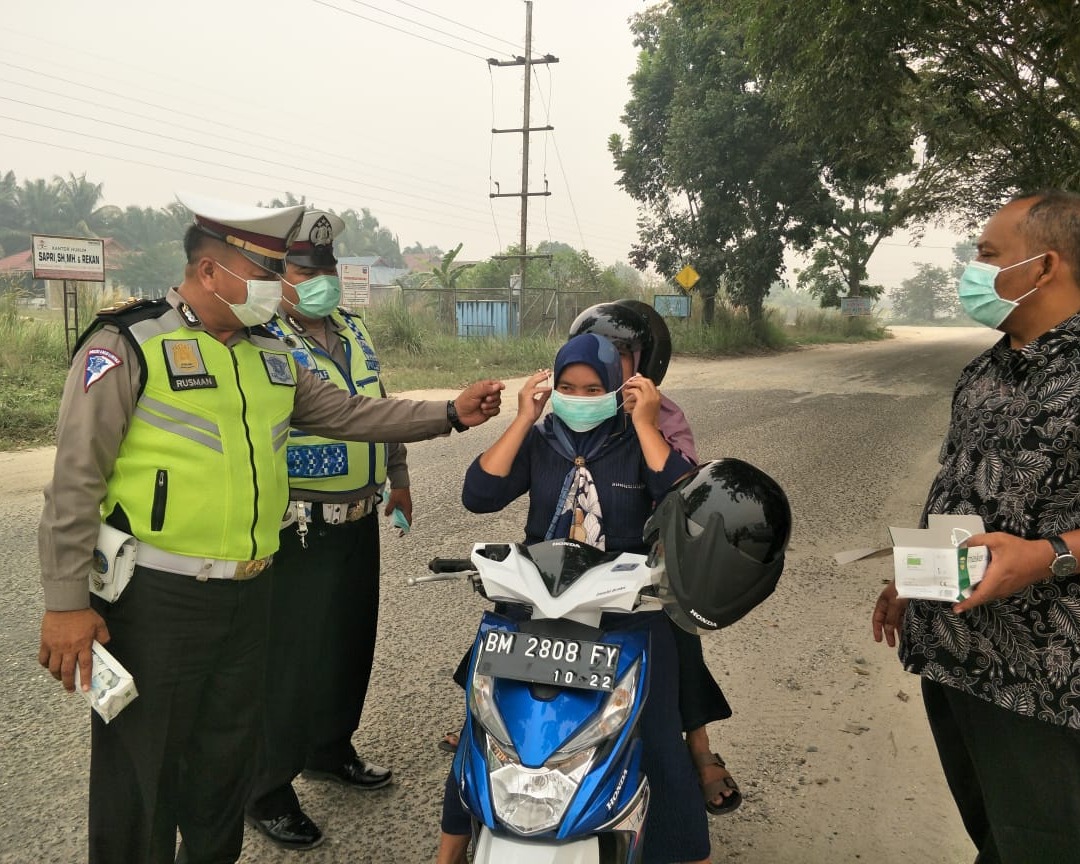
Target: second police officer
x: 324, y: 608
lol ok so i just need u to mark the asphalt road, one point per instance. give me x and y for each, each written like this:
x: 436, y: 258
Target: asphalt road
x: 828, y: 739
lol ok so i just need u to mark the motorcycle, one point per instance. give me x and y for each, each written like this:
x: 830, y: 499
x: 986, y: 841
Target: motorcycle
x: 549, y: 759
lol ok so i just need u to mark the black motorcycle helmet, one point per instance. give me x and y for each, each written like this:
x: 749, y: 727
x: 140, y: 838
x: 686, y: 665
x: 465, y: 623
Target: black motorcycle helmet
x: 721, y: 533
x: 634, y: 326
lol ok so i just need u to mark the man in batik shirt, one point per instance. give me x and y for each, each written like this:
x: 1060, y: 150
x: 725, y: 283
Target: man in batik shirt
x: 1001, y: 670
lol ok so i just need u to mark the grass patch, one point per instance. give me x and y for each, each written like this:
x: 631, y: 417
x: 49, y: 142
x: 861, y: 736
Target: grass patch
x: 33, y: 365
x: 414, y: 347
x: 820, y: 326
x: 447, y: 361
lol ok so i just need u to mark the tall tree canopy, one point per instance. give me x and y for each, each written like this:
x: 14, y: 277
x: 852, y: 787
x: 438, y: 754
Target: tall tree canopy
x: 902, y: 113
x: 721, y: 184
x: 989, y: 91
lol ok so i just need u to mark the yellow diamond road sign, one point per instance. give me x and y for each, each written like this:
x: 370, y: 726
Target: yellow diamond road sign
x: 687, y: 277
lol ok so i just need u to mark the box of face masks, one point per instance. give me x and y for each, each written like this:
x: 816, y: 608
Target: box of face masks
x: 930, y: 564
x: 111, y: 685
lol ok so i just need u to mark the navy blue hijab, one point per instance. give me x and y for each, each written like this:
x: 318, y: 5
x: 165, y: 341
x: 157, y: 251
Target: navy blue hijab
x: 600, y: 355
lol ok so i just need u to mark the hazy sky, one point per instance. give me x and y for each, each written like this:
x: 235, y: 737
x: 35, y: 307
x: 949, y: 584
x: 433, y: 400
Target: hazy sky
x: 384, y: 104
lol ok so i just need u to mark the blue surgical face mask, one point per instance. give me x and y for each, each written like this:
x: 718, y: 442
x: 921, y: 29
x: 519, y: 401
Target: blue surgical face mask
x: 978, y: 294
x: 317, y: 297
x: 582, y: 413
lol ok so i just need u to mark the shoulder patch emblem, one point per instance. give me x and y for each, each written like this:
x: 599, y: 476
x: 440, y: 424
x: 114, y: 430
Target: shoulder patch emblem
x: 278, y: 369
x: 99, y: 362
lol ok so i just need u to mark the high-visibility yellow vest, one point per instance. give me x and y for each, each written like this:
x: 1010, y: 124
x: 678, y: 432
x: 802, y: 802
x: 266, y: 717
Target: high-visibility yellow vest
x: 201, y: 470
x: 323, y: 464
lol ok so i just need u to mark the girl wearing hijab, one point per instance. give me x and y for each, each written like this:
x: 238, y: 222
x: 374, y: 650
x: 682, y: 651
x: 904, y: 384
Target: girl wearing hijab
x: 594, y: 472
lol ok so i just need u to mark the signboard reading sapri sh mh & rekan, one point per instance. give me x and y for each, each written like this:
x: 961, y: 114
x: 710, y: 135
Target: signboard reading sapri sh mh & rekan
x: 76, y: 258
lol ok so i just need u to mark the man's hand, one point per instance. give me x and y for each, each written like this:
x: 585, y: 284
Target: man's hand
x: 400, y: 499
x: 479, y: 401
x: 66, y: 640
x: 1015, y: 564
x: 888, y: 615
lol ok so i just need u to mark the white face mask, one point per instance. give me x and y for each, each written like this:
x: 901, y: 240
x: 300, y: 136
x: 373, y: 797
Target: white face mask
x: 263, y: 297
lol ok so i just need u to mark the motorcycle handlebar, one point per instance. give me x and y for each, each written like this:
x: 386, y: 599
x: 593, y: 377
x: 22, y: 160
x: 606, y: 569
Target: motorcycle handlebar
x: 450, y: 565
x: 435, y: 577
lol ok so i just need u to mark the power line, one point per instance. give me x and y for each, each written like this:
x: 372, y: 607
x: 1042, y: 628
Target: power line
x: 227, y: 152
x: 515, y: 45
x: 562, y: 170
x: 197, y: 160
x: 491, y: 161
x: 244, y: 141
x: 260, y: 188
x: 398, y: 29
x: 420, y: 24
x: 203, y: 120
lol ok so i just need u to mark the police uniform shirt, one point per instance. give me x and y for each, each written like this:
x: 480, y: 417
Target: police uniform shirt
x: 397, y: 470
x: 96, y: 408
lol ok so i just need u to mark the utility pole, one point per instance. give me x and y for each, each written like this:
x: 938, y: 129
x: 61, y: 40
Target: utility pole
x: 528, y: 62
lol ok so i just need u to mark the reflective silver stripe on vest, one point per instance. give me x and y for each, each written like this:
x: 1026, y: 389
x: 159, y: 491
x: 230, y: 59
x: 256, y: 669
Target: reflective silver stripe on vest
x: 178, y: 426
x: 181, y: 416
x: 280, y: 433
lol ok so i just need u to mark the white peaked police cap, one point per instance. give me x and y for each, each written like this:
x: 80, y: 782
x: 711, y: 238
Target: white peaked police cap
x: 260, y: 234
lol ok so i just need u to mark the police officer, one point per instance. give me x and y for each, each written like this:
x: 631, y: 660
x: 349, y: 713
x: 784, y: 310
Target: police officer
x: 172, y: 428
x: 325, y: 604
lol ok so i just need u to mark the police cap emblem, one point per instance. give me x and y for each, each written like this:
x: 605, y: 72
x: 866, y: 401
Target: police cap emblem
x: 322, y: 232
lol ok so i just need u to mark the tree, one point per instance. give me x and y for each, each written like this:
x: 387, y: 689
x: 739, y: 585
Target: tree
x: 719, y: 181
x: 9, y: 188
x: 991, y: 92
x: 446, y: 275
x: 832, y: 70
x: 927, y: 296
x: 78, y: 199
x: 363, y: 235
x: 37, y: 210
x: 151, y: 271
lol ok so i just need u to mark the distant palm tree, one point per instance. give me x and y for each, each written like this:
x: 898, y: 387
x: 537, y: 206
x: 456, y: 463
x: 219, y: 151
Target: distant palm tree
x: 78, y: 199
x: 446, y: 274
x: 9, y: 187
x: 38, y: 209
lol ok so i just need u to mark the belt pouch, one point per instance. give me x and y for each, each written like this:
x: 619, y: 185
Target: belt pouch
x: 114, y: 562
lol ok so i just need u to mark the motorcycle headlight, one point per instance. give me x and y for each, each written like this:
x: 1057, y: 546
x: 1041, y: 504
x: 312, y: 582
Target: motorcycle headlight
x: 531, y: 800
x: 482, y: 706
x: 610, y: 719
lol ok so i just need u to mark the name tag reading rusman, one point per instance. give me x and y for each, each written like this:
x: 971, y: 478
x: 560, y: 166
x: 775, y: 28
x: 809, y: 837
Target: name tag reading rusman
x: 187, y: 371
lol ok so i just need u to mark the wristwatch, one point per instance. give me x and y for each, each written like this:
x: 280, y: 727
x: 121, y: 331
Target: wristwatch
x: 1064, y: 563
x: 455, y: 421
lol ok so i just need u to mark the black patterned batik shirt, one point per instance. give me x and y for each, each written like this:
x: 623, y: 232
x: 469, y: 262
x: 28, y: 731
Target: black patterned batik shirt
x: 1012, y: 456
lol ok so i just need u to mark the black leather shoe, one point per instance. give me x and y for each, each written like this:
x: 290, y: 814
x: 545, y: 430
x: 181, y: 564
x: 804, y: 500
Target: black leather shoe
x: 291, y: 831
x: 355, y: 773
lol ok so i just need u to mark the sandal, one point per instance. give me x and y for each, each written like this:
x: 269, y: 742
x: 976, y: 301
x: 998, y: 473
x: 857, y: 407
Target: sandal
x: 449, y: 742
x: 714, y: 788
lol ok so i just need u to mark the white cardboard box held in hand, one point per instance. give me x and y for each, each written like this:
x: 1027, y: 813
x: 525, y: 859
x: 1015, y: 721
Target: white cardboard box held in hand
x: 111, y: 685
x: 930, y: 564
